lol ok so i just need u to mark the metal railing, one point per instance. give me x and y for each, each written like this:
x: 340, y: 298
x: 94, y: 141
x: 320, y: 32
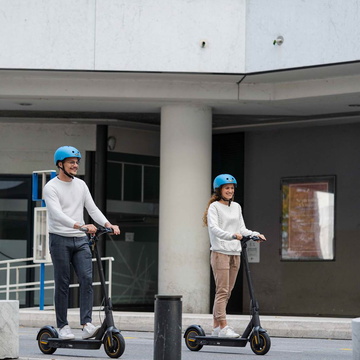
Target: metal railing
x: 16, y: 286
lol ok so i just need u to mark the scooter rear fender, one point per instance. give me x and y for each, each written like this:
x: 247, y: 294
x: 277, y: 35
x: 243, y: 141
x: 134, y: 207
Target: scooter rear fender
x: 51, y: 329
x: 197, y: 328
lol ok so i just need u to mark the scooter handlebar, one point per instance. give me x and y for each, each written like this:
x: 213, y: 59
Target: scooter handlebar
x: 104, y: 230
x: 100, y: 230
x: 245, y: 239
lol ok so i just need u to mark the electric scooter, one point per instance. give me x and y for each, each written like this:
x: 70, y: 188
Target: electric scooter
x: 195, y: 337
x: 108, y: 334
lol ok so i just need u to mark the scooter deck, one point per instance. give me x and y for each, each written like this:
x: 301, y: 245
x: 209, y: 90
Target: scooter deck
x: 76, y: 343
x: 221, y: 341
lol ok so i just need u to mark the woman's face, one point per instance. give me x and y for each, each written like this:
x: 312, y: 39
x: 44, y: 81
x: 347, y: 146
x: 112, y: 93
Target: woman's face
x: 227, y: 191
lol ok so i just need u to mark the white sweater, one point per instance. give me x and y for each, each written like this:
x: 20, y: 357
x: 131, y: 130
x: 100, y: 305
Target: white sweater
x: 223, y: 222
x: 65, y: 202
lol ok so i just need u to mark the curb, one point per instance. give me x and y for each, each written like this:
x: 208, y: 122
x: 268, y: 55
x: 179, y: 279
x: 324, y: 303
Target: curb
x: 277, y: 326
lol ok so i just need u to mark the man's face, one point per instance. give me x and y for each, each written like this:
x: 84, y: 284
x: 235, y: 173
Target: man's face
x: 71, y: 165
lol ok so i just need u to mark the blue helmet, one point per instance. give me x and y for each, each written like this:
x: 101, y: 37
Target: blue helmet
x: 64, y: 152
x: 224, y: 179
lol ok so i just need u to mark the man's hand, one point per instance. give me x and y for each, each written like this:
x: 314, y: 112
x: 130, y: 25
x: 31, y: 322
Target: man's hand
x: 91, y: 228
x: 115, y: 228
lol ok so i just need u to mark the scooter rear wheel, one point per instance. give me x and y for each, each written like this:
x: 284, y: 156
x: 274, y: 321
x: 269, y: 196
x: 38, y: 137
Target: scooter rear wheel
x: 118, y: 347
x: 43, y: 335
x: 264, y: 343
x: 190, y: 340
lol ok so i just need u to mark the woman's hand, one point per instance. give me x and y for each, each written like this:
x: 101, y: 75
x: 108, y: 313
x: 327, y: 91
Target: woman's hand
x: 262, y: 237
x: 237, y: 236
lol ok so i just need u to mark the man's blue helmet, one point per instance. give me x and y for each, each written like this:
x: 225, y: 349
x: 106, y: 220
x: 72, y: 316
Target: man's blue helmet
x: 224, y: 179
x: 64, y: 152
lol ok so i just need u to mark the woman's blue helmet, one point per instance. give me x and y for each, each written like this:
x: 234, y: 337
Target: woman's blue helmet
x: 224, y: 179
x: 64, y: 152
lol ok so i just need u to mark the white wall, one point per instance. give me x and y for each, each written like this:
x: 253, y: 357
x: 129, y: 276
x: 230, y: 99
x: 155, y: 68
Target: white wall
x: 314, y: 31
x: 166, y: 35
x: 47, y: 34
x: 25, y: 148
x: 133, y: 141
x: 137, y: 35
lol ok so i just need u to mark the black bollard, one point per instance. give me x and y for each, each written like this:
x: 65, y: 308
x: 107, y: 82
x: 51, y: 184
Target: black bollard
x: 167, y: 327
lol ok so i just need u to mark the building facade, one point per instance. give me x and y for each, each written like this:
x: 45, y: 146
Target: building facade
x: 182, y: 91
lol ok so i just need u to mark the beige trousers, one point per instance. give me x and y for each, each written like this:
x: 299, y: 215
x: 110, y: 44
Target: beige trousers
x: 225, y: 269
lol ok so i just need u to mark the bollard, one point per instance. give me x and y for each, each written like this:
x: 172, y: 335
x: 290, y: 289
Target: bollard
x: 167, y: 327
x: 355, y: 325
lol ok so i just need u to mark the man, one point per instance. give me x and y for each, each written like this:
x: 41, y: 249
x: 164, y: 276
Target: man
x: 66, y: 197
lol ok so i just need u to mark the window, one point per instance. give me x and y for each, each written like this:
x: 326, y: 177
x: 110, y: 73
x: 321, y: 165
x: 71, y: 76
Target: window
x: 133, y: 178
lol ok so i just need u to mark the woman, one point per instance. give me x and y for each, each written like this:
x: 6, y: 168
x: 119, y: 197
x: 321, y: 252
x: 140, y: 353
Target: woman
x: 226, y: 228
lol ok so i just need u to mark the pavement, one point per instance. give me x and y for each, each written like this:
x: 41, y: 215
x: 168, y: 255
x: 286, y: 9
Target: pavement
x: 276, y: 326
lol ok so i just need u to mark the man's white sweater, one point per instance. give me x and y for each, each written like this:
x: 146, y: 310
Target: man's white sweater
x: 223, y: 222
x: 65, y: 202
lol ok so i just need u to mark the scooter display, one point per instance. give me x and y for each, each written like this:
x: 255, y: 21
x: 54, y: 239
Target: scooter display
x: 195, y: 337
x: 114, y: 343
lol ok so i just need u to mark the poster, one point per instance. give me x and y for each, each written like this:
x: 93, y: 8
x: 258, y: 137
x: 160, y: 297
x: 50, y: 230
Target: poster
x: 307, y: 224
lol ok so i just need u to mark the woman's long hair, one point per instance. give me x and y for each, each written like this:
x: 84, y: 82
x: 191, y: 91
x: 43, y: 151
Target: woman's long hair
x: 216, y: 196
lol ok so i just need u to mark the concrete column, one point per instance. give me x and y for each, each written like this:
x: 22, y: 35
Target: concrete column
x: 185, y: 188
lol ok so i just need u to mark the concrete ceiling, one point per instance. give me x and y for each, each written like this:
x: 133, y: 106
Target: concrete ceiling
x: 241, y: 102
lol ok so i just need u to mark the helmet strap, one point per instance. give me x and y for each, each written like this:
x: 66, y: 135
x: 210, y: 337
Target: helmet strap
x: 229, y: 201
x: 65, y: 172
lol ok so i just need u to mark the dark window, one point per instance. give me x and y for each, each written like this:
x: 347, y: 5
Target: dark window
x: 132, y: 182
x: 151, y: 184
x: 114, y: 178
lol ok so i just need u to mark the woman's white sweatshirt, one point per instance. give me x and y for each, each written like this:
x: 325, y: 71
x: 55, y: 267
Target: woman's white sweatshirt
x: 223, y: 222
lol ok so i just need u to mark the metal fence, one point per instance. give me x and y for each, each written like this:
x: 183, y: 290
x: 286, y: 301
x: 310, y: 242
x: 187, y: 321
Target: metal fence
x: 14, y: 268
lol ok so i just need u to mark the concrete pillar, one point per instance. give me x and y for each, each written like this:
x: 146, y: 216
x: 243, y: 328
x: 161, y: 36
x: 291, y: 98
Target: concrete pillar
x: 355, y: 325
x: 185, y: 188
x: 9, y: 329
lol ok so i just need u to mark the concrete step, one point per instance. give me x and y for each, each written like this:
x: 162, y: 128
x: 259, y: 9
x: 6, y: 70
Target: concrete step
x: 277, y: 326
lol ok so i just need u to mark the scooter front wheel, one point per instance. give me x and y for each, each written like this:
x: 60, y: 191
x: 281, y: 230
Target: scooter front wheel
x: 118, y: 346
x: 190, y: 335
x: 42, y: 339
x: 261, y: 347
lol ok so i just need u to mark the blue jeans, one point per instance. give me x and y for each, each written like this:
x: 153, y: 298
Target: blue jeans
x: 75, y: 251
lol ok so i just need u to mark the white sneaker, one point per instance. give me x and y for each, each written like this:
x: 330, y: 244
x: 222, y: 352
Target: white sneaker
x: 215, y: 331
x: 65, y: 333
x: 227, y: 331
x: 89, y: 331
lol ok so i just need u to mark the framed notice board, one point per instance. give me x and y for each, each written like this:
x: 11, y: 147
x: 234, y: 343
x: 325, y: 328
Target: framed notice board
x: 308, y: 218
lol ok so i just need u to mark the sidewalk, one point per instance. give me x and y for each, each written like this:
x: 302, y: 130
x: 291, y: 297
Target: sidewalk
x: 277, y: 326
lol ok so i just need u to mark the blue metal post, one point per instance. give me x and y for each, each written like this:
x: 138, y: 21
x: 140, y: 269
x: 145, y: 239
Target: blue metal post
x: 42, y: 286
